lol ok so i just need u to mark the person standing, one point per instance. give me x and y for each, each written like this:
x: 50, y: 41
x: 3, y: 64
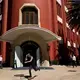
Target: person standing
x: 1, y: 59
x: 29, y: 59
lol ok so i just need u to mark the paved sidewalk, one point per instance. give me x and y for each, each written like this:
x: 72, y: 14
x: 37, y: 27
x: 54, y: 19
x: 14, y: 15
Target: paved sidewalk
x: 57, y: 73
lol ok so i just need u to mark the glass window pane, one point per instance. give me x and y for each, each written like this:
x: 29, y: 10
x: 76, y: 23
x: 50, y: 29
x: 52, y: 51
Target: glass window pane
x: 36, y: 19
x: 27, y: 18
x: 29, y: 15
x: 24, y: 17
x: 31, y: 18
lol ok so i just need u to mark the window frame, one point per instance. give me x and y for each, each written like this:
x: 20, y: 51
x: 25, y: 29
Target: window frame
x: 27, y: 13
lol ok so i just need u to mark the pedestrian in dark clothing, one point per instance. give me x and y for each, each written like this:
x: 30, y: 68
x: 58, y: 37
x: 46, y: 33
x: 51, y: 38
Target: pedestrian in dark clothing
x: 74, y: 61
x: 1, y: 59
x: 29, y: 59
x: 70, y: 58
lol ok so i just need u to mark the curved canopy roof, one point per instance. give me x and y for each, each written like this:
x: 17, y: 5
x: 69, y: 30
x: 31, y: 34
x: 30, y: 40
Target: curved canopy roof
x: 13, y: 33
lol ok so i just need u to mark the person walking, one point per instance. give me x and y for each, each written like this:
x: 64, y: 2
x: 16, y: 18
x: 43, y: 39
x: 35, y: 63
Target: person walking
x: 29, y: 59
x: 70, y: 59
x: 1, y: 59
x: 74, y: 61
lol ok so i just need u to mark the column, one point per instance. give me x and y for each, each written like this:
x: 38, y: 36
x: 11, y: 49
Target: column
x: 54, y: 24
x: 4, y: 27
x: 18, y: 56
x: 64, y: 21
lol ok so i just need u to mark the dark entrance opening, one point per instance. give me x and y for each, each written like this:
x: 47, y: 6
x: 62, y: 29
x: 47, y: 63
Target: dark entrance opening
x: 31, y: 47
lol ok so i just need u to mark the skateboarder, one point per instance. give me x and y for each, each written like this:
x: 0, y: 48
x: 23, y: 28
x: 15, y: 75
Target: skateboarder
x: 29, y: 59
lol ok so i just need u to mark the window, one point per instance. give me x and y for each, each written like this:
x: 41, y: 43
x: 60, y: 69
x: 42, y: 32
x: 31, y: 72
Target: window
x: 0, y: 9
x: 29, y: 15
x: 59, y: 9
x: 68, y: 34
x: 60, y: 29
x: 65, y: 2
x: 0, y: 27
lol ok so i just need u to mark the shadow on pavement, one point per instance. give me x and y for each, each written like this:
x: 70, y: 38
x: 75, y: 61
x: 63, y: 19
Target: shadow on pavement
x: 71, y: 70
x: 19, y: 75
x: 25, y: 76
x: 29, y: 78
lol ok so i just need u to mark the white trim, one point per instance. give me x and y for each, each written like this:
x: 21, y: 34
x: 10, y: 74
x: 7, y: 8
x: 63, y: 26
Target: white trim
x: 59, y: 1
x: 20, y: 13
x: 68, y: 43
x: 18, y: 56
x: 67, y: 25
x: 74, y: 44
x: 59, y: 19
x: 0, y: 17
x: 77, y: 33
x: 73, y: 30
x: 66, y: 9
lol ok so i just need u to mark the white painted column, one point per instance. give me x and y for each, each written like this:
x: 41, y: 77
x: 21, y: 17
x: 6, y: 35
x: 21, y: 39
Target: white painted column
x: 18, y: 56
x: 38, y: 57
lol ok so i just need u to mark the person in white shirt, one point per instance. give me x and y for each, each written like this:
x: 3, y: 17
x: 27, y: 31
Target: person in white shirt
x: 1, y: 59
x: 74, y: 61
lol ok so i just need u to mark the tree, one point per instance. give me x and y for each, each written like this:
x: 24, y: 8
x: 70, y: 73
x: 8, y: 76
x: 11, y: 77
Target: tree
x: 73, y: 15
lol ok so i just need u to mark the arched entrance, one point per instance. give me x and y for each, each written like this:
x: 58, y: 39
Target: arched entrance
x: 21, y: 39
x: 32, y: 48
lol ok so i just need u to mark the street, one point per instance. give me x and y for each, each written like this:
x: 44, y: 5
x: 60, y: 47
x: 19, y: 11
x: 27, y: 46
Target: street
x: 57, y: 73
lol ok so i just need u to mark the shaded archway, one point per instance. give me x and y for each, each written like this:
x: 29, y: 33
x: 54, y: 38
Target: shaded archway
x: 32, y: 48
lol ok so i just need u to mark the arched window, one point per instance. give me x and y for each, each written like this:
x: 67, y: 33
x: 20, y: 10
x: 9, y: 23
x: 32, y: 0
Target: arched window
x: 29, y: 15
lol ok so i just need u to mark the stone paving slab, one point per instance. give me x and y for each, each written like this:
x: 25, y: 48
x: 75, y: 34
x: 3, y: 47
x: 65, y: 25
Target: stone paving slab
x: 71, y: 77
x: 58, y: 73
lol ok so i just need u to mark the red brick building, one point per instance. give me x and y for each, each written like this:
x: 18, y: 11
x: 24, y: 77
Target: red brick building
x: 32, y: 25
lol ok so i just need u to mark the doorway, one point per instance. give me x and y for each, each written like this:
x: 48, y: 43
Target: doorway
x: 32, y: 48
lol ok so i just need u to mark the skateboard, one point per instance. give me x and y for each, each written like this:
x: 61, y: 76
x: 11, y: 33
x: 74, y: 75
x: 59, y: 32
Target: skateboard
x: 29, y: 78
